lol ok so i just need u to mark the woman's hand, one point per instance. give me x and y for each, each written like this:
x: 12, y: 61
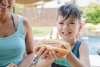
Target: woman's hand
x: 11, y: 65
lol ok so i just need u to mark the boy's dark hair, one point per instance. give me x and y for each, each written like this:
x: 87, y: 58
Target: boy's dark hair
x: 68, y: 10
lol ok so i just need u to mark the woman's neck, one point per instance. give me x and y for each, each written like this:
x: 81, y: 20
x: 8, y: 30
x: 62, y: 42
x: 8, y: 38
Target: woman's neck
x: 4, y: 17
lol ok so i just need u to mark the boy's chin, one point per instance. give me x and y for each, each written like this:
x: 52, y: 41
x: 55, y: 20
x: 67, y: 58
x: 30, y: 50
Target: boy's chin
x: 66, y: 38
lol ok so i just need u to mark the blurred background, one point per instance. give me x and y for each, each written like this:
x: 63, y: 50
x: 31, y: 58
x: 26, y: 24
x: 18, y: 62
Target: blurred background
x: 42, y: 16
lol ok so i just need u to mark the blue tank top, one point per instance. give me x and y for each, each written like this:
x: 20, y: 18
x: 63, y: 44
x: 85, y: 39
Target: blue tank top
x: 12, y: 48
x: 64, y: 63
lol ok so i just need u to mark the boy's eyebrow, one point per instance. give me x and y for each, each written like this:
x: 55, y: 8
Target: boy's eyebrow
x: 72, y: 20
x: 61, y: 20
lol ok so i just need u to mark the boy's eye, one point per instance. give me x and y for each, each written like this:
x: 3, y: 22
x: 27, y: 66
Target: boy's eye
x: 72, y: 22
x: 60, y: 22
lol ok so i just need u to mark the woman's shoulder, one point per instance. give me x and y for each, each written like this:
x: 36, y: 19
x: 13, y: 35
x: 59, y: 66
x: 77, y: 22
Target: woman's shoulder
x: 25, y: 19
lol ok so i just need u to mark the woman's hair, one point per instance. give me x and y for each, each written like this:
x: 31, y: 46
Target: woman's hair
x: 68, y: 10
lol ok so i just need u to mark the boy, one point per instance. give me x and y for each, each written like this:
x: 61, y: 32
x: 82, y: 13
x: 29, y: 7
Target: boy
x: 68, y: 26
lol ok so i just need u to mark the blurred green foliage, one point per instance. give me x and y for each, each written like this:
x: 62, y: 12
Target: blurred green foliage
x: 92, y: 13
x: 17, y: 9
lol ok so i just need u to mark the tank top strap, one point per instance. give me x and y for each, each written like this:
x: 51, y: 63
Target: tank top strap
x: 20, y: 25
x: 13, y: 22
x: 76, y: 49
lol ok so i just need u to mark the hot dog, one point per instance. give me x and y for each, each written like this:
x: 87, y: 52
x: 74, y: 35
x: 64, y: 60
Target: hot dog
x: 59, y: 46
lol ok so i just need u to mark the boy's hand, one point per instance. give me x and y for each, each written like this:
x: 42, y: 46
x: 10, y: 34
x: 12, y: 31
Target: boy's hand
x: 56, y: 56
x: 46, y: 57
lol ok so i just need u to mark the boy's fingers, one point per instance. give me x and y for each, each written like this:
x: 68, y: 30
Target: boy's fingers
x: 44, y: 54
x: 41, y: 50
x: 60, y: 56
x: 54, y: 55
x: 37, y: 48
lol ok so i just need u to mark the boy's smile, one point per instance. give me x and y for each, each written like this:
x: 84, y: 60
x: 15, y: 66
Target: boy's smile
x: 66, y: 33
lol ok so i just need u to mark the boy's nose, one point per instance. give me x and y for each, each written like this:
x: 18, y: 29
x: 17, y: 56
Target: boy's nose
x: 66, y: 26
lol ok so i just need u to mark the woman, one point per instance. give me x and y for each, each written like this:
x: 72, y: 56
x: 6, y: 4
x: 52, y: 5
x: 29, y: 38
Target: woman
x: 15, y: 37
x: 68, y: 26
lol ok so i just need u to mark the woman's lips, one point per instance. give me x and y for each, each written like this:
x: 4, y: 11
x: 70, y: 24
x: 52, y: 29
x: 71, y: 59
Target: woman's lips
x: 3, y: 7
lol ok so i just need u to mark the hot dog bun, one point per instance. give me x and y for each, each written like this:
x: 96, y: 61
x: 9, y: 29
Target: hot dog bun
x: 59, y: 46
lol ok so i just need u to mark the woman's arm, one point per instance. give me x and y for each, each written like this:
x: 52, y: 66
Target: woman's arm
x: 29, y: 44
x: 83, y: 61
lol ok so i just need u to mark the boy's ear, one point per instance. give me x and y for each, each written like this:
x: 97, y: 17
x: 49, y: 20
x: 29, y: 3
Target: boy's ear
x: 80, y: 27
